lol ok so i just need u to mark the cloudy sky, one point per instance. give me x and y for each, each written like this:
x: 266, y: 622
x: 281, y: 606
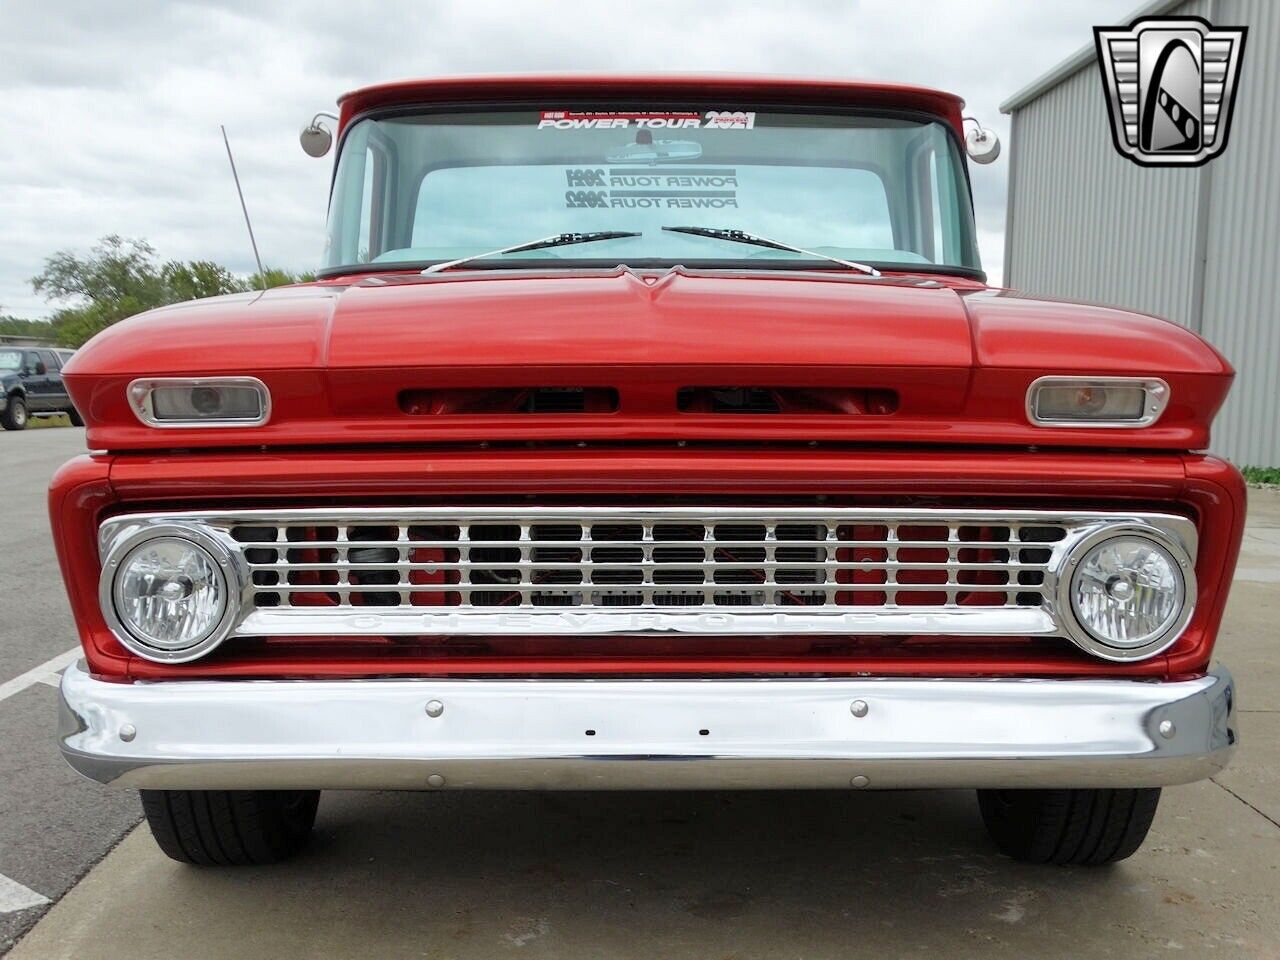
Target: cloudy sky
x: 110, y: 108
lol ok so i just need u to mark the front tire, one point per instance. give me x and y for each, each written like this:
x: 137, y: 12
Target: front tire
x: 15, y: 414
x: 1077, y: 827
x: 74, y: 416
x: 230, y: 827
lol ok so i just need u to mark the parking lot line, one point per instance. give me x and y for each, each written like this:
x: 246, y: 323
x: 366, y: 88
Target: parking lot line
x: 38, y: 674
x: 14, y: 896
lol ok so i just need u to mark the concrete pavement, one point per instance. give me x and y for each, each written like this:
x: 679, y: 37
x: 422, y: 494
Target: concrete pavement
x: 53, y: 825
x: 715, y: 874
x: 683, y: 875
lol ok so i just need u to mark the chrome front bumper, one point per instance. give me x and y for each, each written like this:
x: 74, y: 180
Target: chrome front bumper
x: 646, y: 734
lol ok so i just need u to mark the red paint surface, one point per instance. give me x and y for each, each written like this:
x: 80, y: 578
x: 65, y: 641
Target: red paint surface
x: 336, y: 357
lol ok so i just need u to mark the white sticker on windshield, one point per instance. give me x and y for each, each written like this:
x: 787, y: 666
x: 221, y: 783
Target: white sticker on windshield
x: 713, y: 187
x: 646, y: 120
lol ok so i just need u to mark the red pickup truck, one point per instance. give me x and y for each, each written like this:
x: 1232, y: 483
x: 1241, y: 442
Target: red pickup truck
x: 647, y: 433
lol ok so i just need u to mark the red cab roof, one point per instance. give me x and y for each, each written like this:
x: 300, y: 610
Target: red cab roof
x: 745, y: 89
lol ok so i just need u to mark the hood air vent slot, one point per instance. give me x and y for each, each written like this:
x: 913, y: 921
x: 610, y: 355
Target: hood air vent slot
x: 786, y: 400
x: 482, y: 400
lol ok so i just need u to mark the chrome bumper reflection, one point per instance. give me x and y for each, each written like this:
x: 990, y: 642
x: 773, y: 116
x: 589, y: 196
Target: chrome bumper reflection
x: 646, y: 734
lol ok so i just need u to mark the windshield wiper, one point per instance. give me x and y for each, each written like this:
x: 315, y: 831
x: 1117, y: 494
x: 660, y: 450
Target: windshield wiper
x: 741, y: 236
x: 555, y: 240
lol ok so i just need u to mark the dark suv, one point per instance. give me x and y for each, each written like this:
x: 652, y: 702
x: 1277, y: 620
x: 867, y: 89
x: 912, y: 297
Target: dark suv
x: 31, y: 385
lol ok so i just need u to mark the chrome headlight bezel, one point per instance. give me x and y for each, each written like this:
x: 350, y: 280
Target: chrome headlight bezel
x: 1081, y: 636
x: 228, y: 564
x: 1155, y: 400
x: 139, y: 394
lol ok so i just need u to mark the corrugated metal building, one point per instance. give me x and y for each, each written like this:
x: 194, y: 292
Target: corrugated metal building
x: 1200, y: 246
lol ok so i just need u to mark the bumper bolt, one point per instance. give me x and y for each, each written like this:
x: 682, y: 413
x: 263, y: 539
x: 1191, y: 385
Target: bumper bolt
x: 434, y: 708
x: 128, y: 732
x: 859, y: 781
x: 435, y: 780
x: 1167, y: 729
x: 859, y: 708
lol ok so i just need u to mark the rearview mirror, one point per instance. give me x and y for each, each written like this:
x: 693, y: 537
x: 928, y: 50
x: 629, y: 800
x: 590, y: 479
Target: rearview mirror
x: 650, y: 151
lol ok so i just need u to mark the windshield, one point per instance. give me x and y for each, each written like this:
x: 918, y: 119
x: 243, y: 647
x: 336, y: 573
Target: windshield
x: 10, y: 359
x: 431, y: 187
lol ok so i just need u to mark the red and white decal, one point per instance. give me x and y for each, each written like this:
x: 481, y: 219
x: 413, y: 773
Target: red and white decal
x: 646, y: 119
x: 729, y: 120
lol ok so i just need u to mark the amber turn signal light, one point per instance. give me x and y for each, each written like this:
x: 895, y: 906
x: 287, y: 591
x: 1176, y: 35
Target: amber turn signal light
x: 200, y: 402
x: 1096, y: 401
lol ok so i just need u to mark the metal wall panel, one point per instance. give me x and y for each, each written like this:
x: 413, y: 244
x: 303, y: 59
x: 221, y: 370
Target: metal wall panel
x: 1086, y: 223
x: 1242, y: 276
x: 1200, y: 247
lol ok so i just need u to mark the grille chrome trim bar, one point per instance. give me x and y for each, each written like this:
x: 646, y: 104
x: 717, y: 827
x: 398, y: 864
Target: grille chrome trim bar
x: 712, y: 594
x: 620, y: 621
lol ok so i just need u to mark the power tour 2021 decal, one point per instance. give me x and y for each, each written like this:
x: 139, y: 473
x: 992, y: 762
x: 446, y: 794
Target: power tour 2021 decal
x: 649, y: 175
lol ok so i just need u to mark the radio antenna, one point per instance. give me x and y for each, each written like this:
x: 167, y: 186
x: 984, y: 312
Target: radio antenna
x: 262, y: 275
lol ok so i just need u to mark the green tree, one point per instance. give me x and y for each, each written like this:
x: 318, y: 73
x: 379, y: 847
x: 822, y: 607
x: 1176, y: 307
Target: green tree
x: 272, y: 277
x: 198, y: 279
x: 121, y: 277
x: 15, y: 327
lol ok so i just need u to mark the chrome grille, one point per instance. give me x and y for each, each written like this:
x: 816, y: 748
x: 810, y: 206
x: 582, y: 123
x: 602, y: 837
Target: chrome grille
x: 558, y: 570
x: 621, y: 561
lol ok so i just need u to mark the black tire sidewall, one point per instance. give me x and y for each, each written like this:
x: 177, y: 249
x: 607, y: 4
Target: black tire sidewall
x: 230, y: 827
x: 17, y: 405
x: 1082, y: 827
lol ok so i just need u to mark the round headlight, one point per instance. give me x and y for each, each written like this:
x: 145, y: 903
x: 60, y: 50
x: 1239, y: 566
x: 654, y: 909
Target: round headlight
x: 1129, y: 594
x: 171, y: 598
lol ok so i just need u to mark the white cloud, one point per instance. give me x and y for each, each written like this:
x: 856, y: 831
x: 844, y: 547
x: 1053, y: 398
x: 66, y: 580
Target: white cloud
x: 110, y: 110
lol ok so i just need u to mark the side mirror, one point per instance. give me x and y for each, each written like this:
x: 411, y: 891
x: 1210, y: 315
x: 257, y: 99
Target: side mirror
x: 982, y: 145
x: 315, y: 137
x: 41, y: 369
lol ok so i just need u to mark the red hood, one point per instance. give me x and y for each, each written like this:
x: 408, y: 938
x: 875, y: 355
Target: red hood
x: 658, y: 319
x: 339, y: 357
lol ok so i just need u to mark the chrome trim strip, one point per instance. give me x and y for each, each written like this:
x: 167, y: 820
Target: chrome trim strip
x: 624, y: 621
x: 1155, y: 400
x: 640, y: 734
x: 706, y: 617
x: 138, y: 394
